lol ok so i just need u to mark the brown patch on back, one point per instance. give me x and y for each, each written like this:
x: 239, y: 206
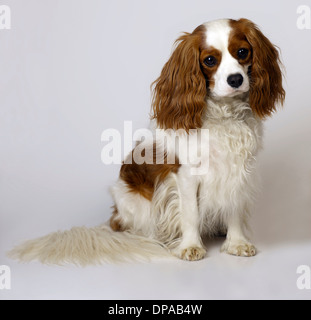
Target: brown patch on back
x: 142, y: 178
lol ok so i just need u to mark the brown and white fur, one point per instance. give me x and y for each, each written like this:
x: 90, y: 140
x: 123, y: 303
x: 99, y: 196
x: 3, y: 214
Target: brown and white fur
x: 225, y: 77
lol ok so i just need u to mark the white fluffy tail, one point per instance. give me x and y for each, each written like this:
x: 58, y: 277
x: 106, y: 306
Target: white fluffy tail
x: 83, y: 246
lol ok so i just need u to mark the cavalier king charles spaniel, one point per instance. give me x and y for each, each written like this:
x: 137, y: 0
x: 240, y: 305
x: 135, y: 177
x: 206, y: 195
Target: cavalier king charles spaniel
x: 224, y: 77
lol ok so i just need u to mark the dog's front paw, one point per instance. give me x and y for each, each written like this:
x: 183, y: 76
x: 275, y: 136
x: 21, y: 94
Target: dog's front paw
x: 191, y: 253
x: 239, y: 248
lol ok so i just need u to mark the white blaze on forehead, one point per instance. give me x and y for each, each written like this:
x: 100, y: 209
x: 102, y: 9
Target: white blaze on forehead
x: 217, y: 34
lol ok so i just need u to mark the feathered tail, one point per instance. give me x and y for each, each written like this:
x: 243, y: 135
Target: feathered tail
x: 83, y: 246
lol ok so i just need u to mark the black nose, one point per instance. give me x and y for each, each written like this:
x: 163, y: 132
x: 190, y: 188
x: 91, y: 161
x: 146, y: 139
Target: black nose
x: 235, y: 80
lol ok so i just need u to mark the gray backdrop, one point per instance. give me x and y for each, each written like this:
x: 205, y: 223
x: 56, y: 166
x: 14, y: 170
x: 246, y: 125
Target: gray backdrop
x: 71, y: 69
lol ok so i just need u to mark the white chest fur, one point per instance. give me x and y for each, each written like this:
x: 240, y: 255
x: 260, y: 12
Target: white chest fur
x: 230, y: 183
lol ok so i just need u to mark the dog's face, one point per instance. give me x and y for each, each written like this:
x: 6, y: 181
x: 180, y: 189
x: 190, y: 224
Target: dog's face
x: 226, y: 59
x: 219, y: 59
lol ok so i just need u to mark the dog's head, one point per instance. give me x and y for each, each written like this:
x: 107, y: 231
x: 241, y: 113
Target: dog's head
x: 219, y: 59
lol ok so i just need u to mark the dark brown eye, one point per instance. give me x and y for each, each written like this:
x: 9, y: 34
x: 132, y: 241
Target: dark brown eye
x: 243, y: 53
x: 210, y: 61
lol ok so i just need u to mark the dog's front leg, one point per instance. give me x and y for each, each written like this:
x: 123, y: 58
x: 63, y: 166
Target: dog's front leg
x: 190, y: 246
x: 236, y: 242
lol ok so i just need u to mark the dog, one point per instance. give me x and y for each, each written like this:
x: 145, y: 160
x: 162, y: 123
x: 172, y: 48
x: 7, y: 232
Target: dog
x: 224, y: 78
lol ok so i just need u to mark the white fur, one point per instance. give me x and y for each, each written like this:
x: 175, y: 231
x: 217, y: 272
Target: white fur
x: 187, y: 206
x: 83, y: 246
x: 184, y: 207
x: 217, y: 36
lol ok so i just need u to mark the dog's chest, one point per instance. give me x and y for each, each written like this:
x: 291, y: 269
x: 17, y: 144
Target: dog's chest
x: 233, y: 145
x: 235, y: 140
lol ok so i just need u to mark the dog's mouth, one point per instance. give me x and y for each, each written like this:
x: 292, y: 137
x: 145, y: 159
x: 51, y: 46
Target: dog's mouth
x: 236, y: 93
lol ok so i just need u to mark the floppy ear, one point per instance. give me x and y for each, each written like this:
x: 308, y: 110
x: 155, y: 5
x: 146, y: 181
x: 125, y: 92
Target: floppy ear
x: 266, y: 89
x: 179, y: 95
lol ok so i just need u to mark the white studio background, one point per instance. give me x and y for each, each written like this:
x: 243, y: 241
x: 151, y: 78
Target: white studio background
x: 71, y: 69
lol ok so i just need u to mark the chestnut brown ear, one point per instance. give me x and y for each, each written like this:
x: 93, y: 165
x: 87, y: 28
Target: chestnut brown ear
x: 266, y: 89
x: 179, y: 94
